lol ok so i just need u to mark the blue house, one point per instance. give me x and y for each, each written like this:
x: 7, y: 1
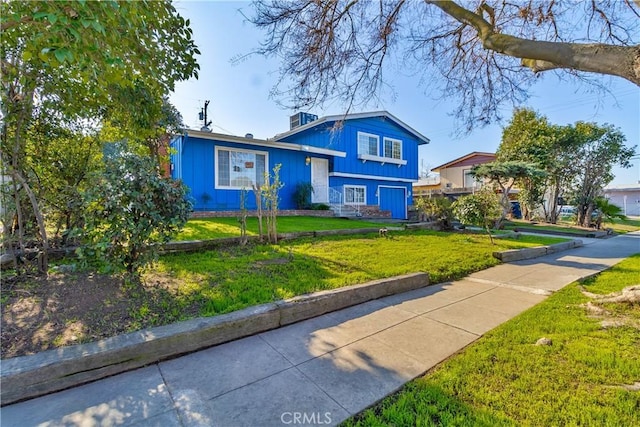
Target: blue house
x: 358, y: 164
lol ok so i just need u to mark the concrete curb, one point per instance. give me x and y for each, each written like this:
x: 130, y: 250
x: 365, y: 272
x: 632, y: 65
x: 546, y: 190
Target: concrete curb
x: 538, y: 251
x: 593, y: 234
x: 26, y: 377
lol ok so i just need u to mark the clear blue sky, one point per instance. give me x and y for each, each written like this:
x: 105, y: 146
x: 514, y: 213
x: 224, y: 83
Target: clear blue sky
x: 240, y: 102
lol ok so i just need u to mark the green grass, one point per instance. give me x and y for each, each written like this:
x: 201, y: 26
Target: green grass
x: 504, y: 379
x: 215, y: 228
x: 234, y: 278
x: 618, y: 226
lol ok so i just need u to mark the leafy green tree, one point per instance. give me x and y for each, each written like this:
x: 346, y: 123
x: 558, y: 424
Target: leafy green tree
x: 599, y: 149
x: 130, y: 212
x: 529, y: 137
x: 70, y: 61
x: 504, y: 175
x: 481, y: 209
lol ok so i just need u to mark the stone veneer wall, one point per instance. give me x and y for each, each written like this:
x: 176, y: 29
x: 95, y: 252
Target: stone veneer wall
x: 370, y: 211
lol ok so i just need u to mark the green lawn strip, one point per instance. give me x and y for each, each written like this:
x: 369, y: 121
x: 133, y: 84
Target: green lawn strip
x: 215, y: 228
x: 504, y: 379
x: 227, y: 280
x: 623, y: 226
x: 618, y: 226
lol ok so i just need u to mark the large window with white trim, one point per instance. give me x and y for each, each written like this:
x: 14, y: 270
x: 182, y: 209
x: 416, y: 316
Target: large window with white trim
x: 368, y: 144
x: 392, y: 148
x: 237, y: 169
x: 355, y: 195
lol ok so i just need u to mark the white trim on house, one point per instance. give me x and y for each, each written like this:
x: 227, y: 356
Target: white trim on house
x: 379, y: 178
x: 341, y: 117
x: 216, y: 168
x: 264, y: 143
x: 383, y: 160
x: 355, y: 187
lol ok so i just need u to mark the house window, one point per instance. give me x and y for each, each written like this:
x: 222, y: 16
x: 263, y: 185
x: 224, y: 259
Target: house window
x: 355, y: 195
x: 368, y: 144
x: 392, y: 148
x: 238, y: 169
x: 469, y: 179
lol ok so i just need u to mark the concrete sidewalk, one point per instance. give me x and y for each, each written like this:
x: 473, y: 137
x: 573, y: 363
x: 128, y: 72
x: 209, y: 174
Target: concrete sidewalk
x: 323, y: 370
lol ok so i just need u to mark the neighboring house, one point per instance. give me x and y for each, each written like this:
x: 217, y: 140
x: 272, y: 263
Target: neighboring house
x: 626, y: 197
x: 357, y: 163
x: 455, y: 176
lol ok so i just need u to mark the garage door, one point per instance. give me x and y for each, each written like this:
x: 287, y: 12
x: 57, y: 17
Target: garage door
x: 394, y: 200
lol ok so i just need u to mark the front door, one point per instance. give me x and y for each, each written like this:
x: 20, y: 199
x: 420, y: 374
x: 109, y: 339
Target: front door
x: 320, y: 180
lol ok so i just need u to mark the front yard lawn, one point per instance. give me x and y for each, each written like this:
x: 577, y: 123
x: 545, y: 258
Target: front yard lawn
x: 584, y: 378
x: 219, y: 282
x: 215, y: 228
x: 73, y: 307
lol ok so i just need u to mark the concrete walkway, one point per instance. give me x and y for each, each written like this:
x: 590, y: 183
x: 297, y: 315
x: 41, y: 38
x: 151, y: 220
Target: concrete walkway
x: 323, y: 370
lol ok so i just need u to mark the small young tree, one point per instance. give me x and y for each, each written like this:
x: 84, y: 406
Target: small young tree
x: 242, y: 219
x: 270, y: 191
x: 481, y: 209
x: 130, y: 212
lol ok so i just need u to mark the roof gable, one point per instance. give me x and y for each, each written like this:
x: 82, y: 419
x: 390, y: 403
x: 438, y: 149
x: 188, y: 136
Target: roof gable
x: 470, y: 159
x: 343, y: 117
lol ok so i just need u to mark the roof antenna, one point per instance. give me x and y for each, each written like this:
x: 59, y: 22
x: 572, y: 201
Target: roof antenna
x: 203, y: 117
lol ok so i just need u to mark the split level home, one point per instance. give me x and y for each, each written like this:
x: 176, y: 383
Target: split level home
x: 361, y: 164
x: 455, y: 177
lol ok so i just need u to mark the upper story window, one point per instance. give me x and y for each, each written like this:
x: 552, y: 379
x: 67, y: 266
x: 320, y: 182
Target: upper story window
x: 392, y: 148
x: 368, y: 144
x: 369, y: 149
x: 239, y: 169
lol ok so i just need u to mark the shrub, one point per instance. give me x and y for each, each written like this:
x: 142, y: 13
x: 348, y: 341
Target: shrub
x: 481, y: 209
x: 302, y: 195
x: 130, y: 212
x: 436, y: 209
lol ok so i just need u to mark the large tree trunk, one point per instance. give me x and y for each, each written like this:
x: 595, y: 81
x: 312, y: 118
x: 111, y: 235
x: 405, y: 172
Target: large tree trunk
x: 621, y: 61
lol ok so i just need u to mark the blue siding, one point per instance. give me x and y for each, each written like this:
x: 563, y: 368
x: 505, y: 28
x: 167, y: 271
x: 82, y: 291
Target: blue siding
x: 194, y: 163
x: 198, y: 173
x: 373, y: 191
x: 346, y: 139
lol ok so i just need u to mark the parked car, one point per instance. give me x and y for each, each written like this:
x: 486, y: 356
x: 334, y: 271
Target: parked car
x: 567, y: 211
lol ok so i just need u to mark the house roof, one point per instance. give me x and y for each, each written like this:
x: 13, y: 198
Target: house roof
x: 623, y: 187
x: 340, y: 117
x: 463, y: 159
x: 263, y: 143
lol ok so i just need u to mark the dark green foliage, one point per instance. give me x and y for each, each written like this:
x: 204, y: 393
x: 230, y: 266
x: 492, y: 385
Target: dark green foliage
x: 302, y: 195
x: 320, y: 207
x: 130, y: 211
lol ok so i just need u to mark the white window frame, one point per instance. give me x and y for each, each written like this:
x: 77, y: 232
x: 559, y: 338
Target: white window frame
x: 238, y: 150
x: 355, y: 187
x: 393, y: 141
x: 367, y: 153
